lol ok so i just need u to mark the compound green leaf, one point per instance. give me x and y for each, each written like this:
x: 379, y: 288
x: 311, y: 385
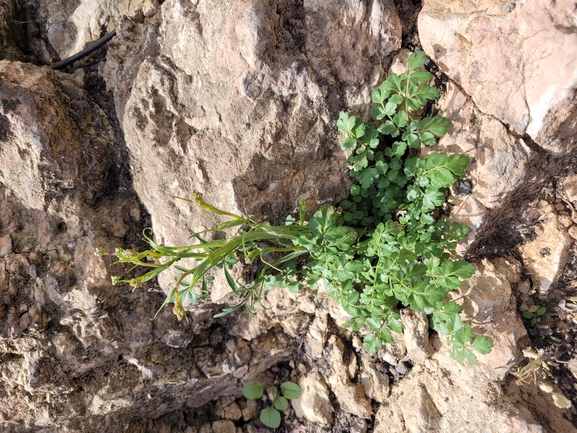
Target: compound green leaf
x: 394, y: 323
x: 463, y: 335
x: 377, y: 113
x: 427, y: 92
x: 437, y: 125
x: 372, y: 343
x: 385, y: 335
x: 457, y: 164
x: 419, y: 77
x: 401, y: 119
x: 359, y: 129
x: 374, y: 325
x: 416, y: 59
x: 397, y: 98
x: 346, y: 123
x: 358, y: 323
x: 399, y: 148
x: 378, y: 96
x: 482, y: 344
x: 368, y: 176
x: 349, y: 144
x: 432, y: 199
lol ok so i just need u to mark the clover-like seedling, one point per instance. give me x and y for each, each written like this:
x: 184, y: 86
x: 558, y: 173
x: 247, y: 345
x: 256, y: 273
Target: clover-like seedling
x: 270, y: 416
x: 532, y: 312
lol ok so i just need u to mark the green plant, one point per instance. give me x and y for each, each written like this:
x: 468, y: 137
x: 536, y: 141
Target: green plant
x: 532, y: 313
x: 386, y: 247
x: 270, y: 416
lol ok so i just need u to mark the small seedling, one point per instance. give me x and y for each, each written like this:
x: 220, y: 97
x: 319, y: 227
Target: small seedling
x: 270, y: 416
x: 532, y: 312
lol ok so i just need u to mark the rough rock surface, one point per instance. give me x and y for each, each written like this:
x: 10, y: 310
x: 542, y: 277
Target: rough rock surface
x: 517, y: 61
x: 238, y: 100
x: 73, y: 348
x: 240, y: 105
x: 73, y: 25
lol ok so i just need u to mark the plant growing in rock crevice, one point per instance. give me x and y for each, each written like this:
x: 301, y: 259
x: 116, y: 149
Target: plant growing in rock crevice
x: 270, y: 416
x: 384, y: 248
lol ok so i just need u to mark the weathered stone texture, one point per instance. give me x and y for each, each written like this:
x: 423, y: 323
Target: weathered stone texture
x: 517, y: 60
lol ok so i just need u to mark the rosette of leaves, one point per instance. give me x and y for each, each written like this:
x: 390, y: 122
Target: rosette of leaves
x: 279, y: 398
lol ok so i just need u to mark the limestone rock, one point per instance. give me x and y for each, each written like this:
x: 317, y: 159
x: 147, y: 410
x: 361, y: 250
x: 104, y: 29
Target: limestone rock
x: 316, y: 336
x: 71, y: 26
x: 416, y: 405
x: 314, y: 402
x: 249, y: 124
x: 350, y: 396
x: 546, y: 254
x: 375, y: 384
x: 531, y: 45
x: 65, y: 332
x: 224, y: 426
x: 498, y: 159
x: 52, y: 148
x: 416, y: 335
x: 491, y: 305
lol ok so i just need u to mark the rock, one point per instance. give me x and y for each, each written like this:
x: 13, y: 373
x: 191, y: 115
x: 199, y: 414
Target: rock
x: 224, y: 426
x: 52, y: 151
x: 375, y: 384
x: 316, y: 336
x: 232, y: 412
x: 531, y: 45
x: 250, y: 411
x: 251, y: 127
x: 491, y: 305
x: 569, y: 190
x: 546, y: 254
x: 498, y: 158
x: 5, y: 245
x: 62, y: 195
x: 445, y: 400
x: 350, y: 396
x: 416, y: 335
x: 314, y: 403
x: 73, y: 26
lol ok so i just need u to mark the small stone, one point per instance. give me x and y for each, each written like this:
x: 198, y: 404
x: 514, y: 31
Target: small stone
x: 353, y: 367
x: 206, y: 428
x: 375, y: 384
x: 314, y: 402
x: 358, y: 425
x: 524, y: 286
x: 352, y: 399
x: 5, y: 245
x: 223, y: 426
x: 249, y: 412
x: 416, y: 335
x: 233, y: 412
x: 546, y: 254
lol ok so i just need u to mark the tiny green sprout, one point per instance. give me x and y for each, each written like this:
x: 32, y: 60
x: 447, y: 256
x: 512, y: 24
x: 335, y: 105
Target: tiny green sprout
x: 270, y: 416
x: 532, y: 313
